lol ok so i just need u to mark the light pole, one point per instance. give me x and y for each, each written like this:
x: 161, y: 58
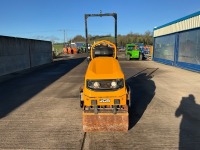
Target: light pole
x: 64, y: 36
x: 63, y: 30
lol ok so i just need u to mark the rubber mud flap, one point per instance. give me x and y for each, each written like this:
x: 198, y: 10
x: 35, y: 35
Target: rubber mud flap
x: 105, y: 122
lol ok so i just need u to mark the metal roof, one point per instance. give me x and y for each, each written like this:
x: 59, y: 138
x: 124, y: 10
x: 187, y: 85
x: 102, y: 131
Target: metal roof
x: 186, y: 23
x: 178, y: 20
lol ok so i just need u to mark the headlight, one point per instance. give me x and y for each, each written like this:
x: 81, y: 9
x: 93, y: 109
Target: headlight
x: 96, y: 85
x: 93, y: 84
x: 113, y: 84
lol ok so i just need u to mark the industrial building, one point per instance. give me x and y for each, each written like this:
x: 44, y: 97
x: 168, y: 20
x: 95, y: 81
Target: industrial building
x: 178, y: 43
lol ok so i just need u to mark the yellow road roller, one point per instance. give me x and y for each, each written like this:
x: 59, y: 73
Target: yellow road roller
x: 104, y: 97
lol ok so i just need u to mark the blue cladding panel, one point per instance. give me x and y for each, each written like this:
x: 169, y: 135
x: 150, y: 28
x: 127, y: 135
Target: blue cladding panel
x: 188, y: 66
x: 164, y: 61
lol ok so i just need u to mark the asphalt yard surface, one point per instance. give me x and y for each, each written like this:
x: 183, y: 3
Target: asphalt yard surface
x: 40, y: 109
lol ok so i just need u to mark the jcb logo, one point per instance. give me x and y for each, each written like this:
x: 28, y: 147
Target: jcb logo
x: 104, y: 101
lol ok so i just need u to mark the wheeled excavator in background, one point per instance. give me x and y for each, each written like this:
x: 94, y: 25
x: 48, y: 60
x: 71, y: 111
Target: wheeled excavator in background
x: 104, y: 96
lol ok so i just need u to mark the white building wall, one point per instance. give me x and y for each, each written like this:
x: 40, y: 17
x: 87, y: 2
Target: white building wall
x: 190, y: 23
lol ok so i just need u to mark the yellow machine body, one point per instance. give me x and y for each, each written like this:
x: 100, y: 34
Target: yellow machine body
x: 104, y: 96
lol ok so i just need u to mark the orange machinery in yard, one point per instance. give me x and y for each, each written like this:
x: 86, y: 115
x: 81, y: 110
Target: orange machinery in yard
x: 70, y: 49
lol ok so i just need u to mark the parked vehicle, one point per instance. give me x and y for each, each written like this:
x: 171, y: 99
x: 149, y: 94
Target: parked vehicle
x: 136, y: 51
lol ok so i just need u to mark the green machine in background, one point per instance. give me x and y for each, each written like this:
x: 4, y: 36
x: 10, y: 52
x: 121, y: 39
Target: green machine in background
x: 132, y: 51
x: 137, y: 51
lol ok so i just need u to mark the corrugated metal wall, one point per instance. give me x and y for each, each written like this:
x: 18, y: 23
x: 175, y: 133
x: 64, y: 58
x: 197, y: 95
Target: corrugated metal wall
x: 178, y: 26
